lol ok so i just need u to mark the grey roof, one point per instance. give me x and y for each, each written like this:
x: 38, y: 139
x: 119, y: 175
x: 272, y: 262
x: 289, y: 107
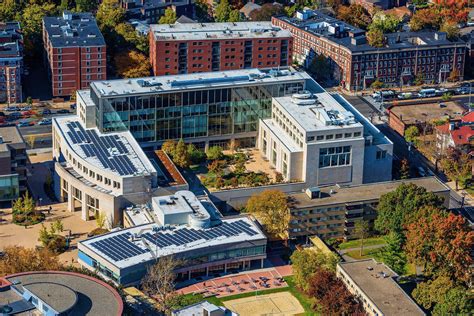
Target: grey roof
x: 93, y: 297
x: 213, y: 31
x: 249, y: 7
x: 184, y: 19
x: 10, y: 136
x: 11, y: 40
x: 376, y: 280
x: 73, y: 29
x: 323, y: 26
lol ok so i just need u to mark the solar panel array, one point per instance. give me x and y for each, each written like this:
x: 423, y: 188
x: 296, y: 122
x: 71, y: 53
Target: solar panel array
x: 102, y: 148
x: 187, y: 235
x: 119, y: 247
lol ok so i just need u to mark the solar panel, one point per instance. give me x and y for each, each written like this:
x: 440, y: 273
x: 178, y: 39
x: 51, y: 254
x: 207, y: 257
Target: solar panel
x: 119, y: 247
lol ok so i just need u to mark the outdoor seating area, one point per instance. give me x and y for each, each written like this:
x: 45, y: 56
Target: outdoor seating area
x: 236, y: 284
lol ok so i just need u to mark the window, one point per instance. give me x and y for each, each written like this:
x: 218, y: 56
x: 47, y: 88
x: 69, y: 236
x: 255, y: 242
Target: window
x: 334, y: 156
x: 329, y: 137
x: 319, y: 137
x: 357, y: 134
x: 347, y: 135
x: 380, y: 154
x: 338, y: 136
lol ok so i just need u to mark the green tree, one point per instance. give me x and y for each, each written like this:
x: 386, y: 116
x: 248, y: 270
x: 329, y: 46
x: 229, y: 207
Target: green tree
x: 457, y: 166
x: 132, y: 38
x: 270, y: 207
x: 169, y: 146
x: 392, y: 254
x: 9, y: 10
x: 362, y: 232
x: 446, y: 97
x: 411, y: 134
x: 169, y: 17
x: 110, y: 14
x: 181, y: 156
x: 377, y: 84
x: 32, y: 24
x: 214, y: 153
x: 419, y: 79
x: 386, y: 23
x: 222, y: 11
x: 308, y: 261
x: 396, y: 207
x: 428, y: 293
x: 375, y: 38
x: 234, y: 16
x: 100, y: 220
x: 455, y: 302
x: 197, y: 156
x: 86, y: 5
x: 203, y: 12
x: 58, y: 225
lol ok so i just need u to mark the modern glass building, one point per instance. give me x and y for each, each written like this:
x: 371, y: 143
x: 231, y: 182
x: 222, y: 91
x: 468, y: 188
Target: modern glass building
x: 203, y: 108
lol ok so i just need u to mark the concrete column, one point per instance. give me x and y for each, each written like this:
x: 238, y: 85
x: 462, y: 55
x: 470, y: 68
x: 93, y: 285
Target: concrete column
x: 189, y: 275
x: 207, y: 271
x: 70, y: 199
x: 261, y: 263
x: 85, y: 212
x: 225, y: 267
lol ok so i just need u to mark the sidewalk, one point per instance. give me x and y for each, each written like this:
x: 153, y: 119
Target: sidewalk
x: 468, y: 198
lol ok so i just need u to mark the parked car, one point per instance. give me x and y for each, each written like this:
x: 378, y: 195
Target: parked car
x: 73, y: 106
x: 46, y: 121
x: 405, y: 95
x: 27, y: 113
x: 25, y: 108
x: 25, y: 124
x: 12, y: 108
x: 2, y: 114
x: 421, y: 171
x: 46, y: 112
x: 463, y: 90
x: 63, y: 111
x: 13, y: 116
x: 427, y: 93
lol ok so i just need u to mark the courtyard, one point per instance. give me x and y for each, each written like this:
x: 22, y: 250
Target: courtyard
x: 283, y: 303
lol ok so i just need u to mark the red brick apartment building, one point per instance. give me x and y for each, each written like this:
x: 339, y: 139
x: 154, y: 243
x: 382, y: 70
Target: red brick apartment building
x: 75, y: 51
x: 11, y: 62
x: 356, y: 64
x: 204, y: 47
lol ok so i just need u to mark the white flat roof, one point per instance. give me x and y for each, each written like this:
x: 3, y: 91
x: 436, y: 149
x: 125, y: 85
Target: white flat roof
x: 307, y: 116
x: 115, y: 152
x: 284, y: 138
x: 213, y: 31
x: 230, y: 78
x: 156, y: 241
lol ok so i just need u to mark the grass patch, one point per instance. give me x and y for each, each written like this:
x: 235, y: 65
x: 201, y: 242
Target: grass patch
x: 372, y: 241
x: 366, y: 253
x: 304, y: 300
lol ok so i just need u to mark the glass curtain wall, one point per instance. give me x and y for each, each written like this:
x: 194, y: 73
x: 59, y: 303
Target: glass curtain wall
x: 191, y: 114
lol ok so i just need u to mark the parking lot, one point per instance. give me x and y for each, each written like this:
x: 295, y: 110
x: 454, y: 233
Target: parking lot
x: 30, y: 115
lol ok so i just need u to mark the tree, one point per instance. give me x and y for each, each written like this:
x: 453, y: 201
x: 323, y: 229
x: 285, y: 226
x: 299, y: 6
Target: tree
x: 132, y: 64
x: 457, y: 166
x: 454, y: 75
x: 58, y: 226
x: 110, y: 14
x: 132, y: 38
x: 456, y: 11
x: 24, y: 211
x: 31, y: 20
x: 355, y: 14
x: 377, y: 84
x: 411, y: 134
x: 446, y: 97
x: 169, y: 17
x: 86, y: 5
x: 234, y: 16
x: 169, y: 146
x: 451, y: 29
x: 9, y: 10
x: 393, y: 255
x: 419, y: 79
x: 442, y: 243
x: 320, y: 67
x: 425, y: 19
x: 375, y: 38
x: 181, y: 156
x: 19, y: 259
x: 214, y: 153
x: 428, y: 293
x: 222, y: 11
x: 100, y: 220
x: 159, y: 284
x: 271, y: 209
x: 386, y: 23
x: 455, y: 302
x: 308, y: 261
x: 332, y: 295
x: 216, y: 167
x: 362, y: 232
x: 404, y: 169
x: 195, y: 155
x: 266, y: 12
x: 203, y: 12
x: 396, y: 207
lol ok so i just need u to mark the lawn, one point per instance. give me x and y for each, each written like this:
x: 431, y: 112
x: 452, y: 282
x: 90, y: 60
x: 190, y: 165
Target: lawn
x: 376, y: 254
x: 304, y: 300
x: 372, y: 241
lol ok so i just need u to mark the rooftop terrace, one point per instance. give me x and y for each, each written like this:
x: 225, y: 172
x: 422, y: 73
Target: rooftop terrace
x: 212, y: 31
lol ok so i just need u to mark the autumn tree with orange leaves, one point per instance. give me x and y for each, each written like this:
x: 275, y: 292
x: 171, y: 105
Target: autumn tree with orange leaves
x: 441, y: 242
x: 442, y: 12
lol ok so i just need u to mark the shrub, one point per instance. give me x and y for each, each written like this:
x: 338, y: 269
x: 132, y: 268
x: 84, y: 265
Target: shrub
x: 215, y: 153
